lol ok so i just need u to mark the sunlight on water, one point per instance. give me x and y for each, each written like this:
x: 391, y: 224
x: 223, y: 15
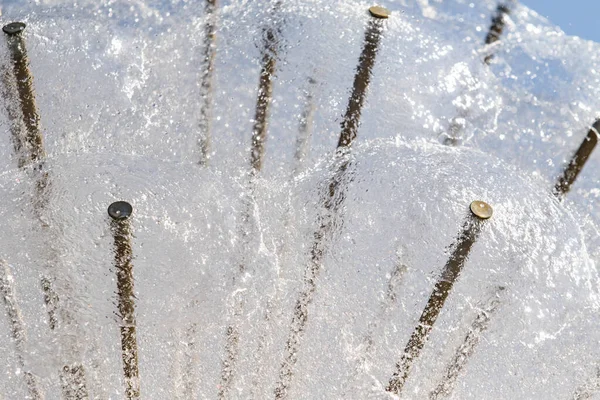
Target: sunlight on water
x: 264, y: 262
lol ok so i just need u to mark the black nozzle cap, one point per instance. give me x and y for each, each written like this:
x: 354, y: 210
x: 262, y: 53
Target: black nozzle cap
x: 120, y: 210
x: 14, y: 28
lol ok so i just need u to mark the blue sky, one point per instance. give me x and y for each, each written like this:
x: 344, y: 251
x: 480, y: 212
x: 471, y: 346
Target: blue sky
x: 575, y: 17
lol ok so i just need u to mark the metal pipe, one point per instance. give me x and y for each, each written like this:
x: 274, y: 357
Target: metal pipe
x: 73, y: 382
x: 270, y: 36
x: 206, y: 80
x: 26, y: 134
x: 470, y: 232
x: 305, y: 128
x: 302, y: 149
x: 265, y: 93
x: 577, y: 162
x: 204, y: 144
x: 17, y: 329
x: 590, y: 388
x: 363, y: 76
x: 29, y: 149
x: 467, y: 348
x: 365, y: 355
x: 189, y: 380
x: 497, y: 27
x: 458, y: 123
x: 388, y: 302
x: 28, y: 142
x: 120, y: 212
x: 333, y: 199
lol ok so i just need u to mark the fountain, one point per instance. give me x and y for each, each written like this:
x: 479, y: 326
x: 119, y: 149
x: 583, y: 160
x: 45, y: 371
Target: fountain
x: 296, y: 199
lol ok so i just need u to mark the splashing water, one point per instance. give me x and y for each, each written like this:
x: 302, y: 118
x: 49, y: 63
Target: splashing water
x: 306, y: 277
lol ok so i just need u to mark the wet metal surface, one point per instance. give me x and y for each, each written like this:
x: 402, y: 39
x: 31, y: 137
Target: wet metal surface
x: 435, y: 304
x: 481, y: 209
x: 14, y: 28
x: 577, y: 162
x: 497, y: 27
x: 331, y: 203
x: 379, y: 12
x: 271, y: 38
x: 458, y: 124
x: 73, y: 382
x: 590, y: 388
x: 206, y: 80
x: 29, y: 150
x: 306, y: 124
x: 120, y: 210
x: 28, y: 143
x: 366, y: 355
x: 121, y: 229
x: 467, y: 347
x: 17, y: 329
x: 265, y: 93
x: 361, y: 82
